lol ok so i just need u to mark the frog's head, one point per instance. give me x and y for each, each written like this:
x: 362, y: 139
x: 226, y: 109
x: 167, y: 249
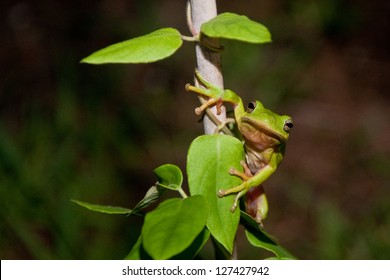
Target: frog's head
x: 262, y: 128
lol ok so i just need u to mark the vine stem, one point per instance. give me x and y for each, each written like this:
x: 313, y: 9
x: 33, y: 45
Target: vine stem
x: 209, y: 65
x: 182, y: 193
x: 208, y: 62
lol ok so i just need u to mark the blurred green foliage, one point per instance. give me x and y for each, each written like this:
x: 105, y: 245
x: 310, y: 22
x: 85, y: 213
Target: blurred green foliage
x: 95, y: 133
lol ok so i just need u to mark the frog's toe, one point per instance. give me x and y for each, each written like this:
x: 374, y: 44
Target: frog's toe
x: 235, y: 172
x: 221, y: 193
x: 233, y: 208
x: 198, y: 111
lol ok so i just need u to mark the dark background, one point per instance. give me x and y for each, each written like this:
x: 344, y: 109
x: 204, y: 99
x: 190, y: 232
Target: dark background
x: 95, y: 133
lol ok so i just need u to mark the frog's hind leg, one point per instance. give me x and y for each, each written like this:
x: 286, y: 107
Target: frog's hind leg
x: 256, y: 204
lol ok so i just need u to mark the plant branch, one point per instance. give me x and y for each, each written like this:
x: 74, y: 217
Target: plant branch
x: 208, y: 62
x: 182, y: 193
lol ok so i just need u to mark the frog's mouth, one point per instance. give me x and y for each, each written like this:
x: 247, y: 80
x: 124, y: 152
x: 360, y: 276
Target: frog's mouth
x: 264, y: 129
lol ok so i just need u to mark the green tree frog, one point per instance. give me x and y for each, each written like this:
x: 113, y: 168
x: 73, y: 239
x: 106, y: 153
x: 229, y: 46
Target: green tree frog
x: 264, y: 134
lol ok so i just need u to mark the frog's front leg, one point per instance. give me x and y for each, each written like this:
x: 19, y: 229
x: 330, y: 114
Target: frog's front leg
x: 248, y: 182
x: 213, y: 95
x: 224, y: 125
x: 216, y: 96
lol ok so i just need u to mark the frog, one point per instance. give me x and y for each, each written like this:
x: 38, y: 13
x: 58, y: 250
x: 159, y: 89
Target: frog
x: 264, y: 135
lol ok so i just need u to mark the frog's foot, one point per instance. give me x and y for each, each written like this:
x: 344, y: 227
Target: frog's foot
x: 209, y: 103
x: 214, y: 98
x: 223, y: 124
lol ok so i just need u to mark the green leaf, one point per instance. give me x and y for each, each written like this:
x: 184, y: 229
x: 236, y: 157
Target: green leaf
x: 150, y: 197
x: 139, y: 253
x: 209, y: 159
x: 236, y: 27
x: 173, y: 226
x: 103, y: 208
x: 259, y: 238
x: 169, y: 176
x: 154, y: 46
x: 198, y: 243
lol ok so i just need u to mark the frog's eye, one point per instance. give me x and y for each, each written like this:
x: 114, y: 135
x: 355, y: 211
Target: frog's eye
x: 251, y: 107
x: 288, y: 125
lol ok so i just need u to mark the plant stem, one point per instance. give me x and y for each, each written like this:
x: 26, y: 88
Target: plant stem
x: 182, y: 193
x: 208, y: 62
x: 209, y: 65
